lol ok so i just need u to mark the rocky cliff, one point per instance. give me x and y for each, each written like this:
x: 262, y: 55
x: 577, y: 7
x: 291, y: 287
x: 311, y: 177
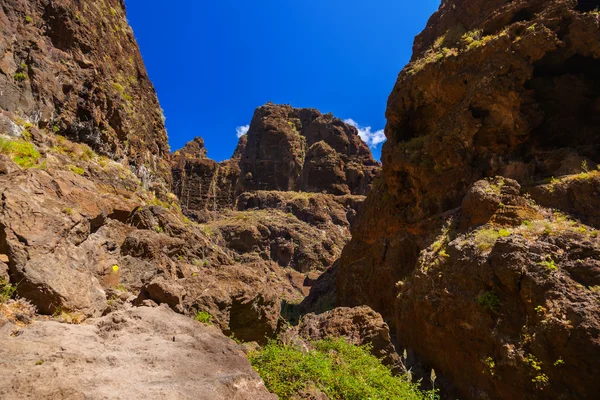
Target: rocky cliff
x: 201, y: 184
x: 302, y: 149
x: 91, y: 242
x: 286, y: 149
x: 486, y: 252
x: 74, y: 68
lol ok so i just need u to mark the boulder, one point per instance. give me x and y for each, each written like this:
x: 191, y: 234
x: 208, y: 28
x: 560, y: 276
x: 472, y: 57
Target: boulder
x: 140, y: 353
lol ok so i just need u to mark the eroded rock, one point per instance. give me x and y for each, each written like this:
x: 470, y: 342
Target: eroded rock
x: 136, y: 354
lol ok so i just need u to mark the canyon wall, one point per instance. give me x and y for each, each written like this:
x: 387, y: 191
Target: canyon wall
x: 485, y: 254
x: 74, y: 67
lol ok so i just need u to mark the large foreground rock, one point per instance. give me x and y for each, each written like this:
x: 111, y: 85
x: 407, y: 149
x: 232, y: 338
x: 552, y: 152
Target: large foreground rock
x: 142, y: 353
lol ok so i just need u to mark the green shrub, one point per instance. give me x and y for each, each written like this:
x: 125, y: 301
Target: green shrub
x: 28, y: 19
x: 20, y: 76
x: 77, y: 170
x: 204, y: 317
x: 335, y: 367
x: 549, y: 264
x: 489, y: 301
x: 118, y: 87
x: 21, y: 152
x: 485, y: 239
x: 7, y: 291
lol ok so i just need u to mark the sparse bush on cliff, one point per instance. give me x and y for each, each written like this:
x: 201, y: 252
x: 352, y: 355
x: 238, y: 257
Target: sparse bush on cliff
x: 21, y: 152
x: 7, y: 291
x: 489, y: 301
x: 336, y: 368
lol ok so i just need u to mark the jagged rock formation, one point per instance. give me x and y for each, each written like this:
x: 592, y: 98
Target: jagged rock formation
x: 286, y: 149
x: 75, y: 68
x: 302, y: 149
x: 140, y: 353
x: 494, y: 291
x: 202, y: 184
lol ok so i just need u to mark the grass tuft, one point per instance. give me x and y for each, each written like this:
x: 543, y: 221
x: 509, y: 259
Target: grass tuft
x: 336, y: 368
x: 20, y: 151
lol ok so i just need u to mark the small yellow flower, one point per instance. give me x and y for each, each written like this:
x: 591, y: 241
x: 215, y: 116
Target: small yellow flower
x: 115, y: 268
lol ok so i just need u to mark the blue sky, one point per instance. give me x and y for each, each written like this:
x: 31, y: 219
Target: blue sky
x: 214, y: 62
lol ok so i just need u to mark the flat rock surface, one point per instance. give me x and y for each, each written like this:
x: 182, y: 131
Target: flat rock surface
x: 141, y: 353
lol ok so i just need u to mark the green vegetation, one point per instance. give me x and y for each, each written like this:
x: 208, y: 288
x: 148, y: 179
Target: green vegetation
x: 549, y: 264
x: 485, y: 239
x: 65, y: 316
x: 504, y: 233
x: 121, y: 288
x: 559, y: 363
x: 336, y: 368
x: 158, y: 229
x: 204, y: 317
x: 539, y: 378
x: 118, y: 87
x: 489, y: 301
x: 7, y: 291
x: 20, y: 76
x: 20, y: 151
x: 491, y: 365
x: 28, y: 19
x: 77, y: 170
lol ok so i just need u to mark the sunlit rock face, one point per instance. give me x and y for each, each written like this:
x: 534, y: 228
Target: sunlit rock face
x: 74, y: 68
x: 496, y: 108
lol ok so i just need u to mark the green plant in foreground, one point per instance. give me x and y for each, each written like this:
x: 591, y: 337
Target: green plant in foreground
x: 335, y: 367
x: 204, y: 317
x: 489, y: 301
x: 121, y: 288
x: 21, y: 152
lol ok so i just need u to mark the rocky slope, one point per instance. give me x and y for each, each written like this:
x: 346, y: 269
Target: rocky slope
x: 88, y: 230
x: 116, y: 357
x: 75, y: 68
x: 485, y: 259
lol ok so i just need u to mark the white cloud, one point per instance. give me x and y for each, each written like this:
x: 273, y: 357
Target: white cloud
x: 242, y: 130
x: 372, y: 139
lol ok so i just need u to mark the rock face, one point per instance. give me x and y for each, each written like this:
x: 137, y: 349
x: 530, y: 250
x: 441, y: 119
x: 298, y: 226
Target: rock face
x: 75, y: 68
x: 491, y: 289
x: 302, y: 149
x: 202, y: 184
x: 136, y: 354
x: 286, y: 149
x: 359, y: 326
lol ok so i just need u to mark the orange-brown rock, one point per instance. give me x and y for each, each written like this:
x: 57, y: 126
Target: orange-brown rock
x: 74, y: 68
x: 202, y: 184
x: 302, y: 149
x: 493, y: 89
